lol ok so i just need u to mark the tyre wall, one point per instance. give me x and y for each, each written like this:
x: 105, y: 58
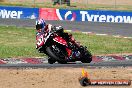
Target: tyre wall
x: 65, y: 14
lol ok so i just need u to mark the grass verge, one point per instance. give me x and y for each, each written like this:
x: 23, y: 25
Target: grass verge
x: 20, y: 42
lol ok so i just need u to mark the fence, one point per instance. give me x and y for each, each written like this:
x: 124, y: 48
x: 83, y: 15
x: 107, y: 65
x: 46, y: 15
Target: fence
x: 81, y: 4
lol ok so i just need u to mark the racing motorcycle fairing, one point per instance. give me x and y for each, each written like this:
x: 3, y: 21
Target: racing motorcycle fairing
x: 40, y: 41
x: 69, y: 51
x: 61, y: 50
x: 60, y: 40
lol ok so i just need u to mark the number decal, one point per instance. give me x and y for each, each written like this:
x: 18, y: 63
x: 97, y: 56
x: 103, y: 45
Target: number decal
x: 40, y: 40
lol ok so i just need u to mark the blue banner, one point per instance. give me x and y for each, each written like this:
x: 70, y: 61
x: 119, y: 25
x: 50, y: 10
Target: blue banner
x: 94, y: 15
x: 19, y: 12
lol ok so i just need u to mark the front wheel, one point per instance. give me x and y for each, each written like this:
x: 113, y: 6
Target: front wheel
x: 56, y: 54
x: 50, y: 53
x: 51, y: 61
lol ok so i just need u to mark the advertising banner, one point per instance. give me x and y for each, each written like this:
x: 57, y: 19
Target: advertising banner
x: 48, y: 14
x: 86, y: 15
x: 19, y: 12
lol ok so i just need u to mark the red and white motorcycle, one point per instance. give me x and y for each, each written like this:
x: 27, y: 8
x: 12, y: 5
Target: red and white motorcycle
x: 60, y: 50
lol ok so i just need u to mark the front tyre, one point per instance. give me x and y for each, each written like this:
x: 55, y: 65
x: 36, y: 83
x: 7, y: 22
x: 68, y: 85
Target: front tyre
x: 62, y: 62
x: 51, y: 61
x: 52, y: 52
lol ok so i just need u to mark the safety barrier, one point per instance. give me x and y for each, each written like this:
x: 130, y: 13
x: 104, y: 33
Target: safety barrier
x: 19, y: 12
x: 65, y: 14
x: 86, y: 15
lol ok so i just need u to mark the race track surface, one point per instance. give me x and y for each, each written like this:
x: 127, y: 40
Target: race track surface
x: 98, y: 61
x: 104, y: 28
x: 101, y: 28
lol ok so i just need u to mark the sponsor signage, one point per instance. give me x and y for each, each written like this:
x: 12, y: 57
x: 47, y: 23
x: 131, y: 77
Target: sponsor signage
x: 48, y: 14
x: 65, y: 14
x: 19, y: 12
x: 86, y: 81
x: 86, y: 15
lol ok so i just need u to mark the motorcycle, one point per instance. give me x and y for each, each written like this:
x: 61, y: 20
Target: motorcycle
x: 57, y: 48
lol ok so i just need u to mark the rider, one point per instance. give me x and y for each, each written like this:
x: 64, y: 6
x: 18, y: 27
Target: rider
x: 43, y: 28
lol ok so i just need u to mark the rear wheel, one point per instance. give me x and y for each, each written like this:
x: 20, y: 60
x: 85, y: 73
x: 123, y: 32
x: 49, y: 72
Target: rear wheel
x: 87, y: 58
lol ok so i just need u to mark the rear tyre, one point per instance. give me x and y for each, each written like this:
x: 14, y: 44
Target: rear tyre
x: 87, y: 58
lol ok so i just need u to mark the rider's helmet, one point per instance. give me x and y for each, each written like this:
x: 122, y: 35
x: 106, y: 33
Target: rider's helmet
x: 40, y: 24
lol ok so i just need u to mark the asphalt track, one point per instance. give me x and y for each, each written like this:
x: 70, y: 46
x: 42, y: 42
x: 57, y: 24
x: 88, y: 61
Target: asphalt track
x: 101, y: 28
x: 105, y: 28
x: 74, y: 65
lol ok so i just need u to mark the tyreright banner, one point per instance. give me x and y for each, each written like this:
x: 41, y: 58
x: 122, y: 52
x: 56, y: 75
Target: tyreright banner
x: 85, y: 15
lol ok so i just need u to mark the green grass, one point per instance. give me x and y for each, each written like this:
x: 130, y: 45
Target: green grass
x: 17, y: 42
x: 20, y: 42
x: 105, y: 44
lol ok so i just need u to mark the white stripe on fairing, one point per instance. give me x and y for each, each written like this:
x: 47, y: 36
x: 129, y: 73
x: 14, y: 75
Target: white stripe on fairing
x: 58, y: 14
x: 59, y: 42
